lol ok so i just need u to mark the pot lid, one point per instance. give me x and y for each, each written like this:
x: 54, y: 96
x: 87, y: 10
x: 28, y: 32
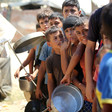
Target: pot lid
x: 28, y: 41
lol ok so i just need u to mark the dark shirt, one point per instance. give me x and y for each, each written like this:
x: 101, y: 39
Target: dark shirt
x: 80, y: 72
x: 95, y: 26
x: 53, y: 66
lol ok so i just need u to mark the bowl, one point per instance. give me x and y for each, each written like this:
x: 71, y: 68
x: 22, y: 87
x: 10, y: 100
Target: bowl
x: 26, y: 85
x: 67, y: 98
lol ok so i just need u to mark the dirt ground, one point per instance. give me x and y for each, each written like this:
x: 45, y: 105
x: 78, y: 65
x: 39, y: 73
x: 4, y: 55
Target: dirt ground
x: 16, y: 102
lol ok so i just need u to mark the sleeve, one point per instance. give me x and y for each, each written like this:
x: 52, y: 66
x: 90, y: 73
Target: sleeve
x: 49, y: 65
x: 43, y: 53
x: 107, y: 84
x: 94, y: 26
x: 105, y: 80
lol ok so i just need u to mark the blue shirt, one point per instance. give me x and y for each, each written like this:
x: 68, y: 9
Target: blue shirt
x: 45, y: 52
x: 104, y: 83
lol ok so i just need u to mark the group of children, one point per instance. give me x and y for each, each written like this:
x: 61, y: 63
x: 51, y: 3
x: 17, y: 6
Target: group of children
x: 65, y: 55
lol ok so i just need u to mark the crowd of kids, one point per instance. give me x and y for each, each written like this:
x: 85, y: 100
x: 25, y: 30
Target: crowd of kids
x: 69, y: 55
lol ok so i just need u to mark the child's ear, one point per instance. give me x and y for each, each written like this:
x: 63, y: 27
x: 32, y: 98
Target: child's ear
x: 48, y: 43
x: 80, y: 12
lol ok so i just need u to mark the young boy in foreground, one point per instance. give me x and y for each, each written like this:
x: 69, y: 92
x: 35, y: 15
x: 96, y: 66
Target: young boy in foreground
x: 54, y: 39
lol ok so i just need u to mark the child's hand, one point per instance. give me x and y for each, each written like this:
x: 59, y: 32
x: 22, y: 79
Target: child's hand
x: 49, y: 104
x: 30, y: 77
x: 83, y: 89
x: 65, y: 45
x: 38, y: 93
x: 16, y: 75
x: 66, y: 80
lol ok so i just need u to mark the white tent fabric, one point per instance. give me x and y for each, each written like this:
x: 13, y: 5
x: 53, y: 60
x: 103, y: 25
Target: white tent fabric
x: 7, y: 30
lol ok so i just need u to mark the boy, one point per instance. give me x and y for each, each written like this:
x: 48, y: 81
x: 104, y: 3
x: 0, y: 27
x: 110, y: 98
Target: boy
x: 55, y: 19
x: 81, y: 29
x: 71, y: 7
x: 70, y: 46
x: 54, y: 39
x: 104, y: 82
x: 43, y: 20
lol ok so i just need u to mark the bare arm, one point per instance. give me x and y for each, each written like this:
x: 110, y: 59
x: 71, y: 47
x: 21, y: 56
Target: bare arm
x: 75, y: 58
x: 73, y: 62
x: 50, y: 88
x: 26, y: 62
x: 41, y: 74
x: 89, y: 60
x: 64, y: 56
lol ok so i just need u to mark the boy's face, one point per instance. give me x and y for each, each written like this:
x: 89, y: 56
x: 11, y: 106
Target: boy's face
x: 70, y: 10
x: 55, y: 22
x: 70, y: 34
x: 81, y: 32
x: 56, y: 40
x: 44, y: 24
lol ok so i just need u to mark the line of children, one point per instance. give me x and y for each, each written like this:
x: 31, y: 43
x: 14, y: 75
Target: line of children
x: 68, y: 51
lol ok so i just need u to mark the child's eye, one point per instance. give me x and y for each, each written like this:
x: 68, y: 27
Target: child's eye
x: 41, y: 23
x: 72, y: 11
x: 77, y: 32
x: 85, y: 30
x: 66, y: 11
x: 56, y: 23
x: 66, y: 31
x: 73, y: 28
x: 55, y: 38
x: 51, y: 24
x: 61, y: 36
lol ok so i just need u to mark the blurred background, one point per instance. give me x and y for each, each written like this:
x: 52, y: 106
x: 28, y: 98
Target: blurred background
x: 22, y: 13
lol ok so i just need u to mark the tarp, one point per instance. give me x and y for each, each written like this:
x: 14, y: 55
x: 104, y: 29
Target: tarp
x: 7, y: 30
x: 51, y: 3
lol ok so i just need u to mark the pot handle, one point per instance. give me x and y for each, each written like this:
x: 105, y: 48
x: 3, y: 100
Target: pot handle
x: 45, y: 109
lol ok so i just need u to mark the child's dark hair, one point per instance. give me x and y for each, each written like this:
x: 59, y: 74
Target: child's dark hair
x: 106, y: 19
x: 37, y: 26
x: 56, y: 15
x: 51, y: 30
x: 71, y: 3
x: 69, y: 22
x: 42, y: 16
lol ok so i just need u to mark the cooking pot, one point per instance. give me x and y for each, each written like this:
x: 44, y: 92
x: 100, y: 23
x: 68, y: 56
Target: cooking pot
x: 26, y: 85
x: 66, y: 99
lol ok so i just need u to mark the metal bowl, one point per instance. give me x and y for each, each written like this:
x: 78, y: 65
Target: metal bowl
x: 67, y: 98
x: 25, y: 85
x: 28, y: 41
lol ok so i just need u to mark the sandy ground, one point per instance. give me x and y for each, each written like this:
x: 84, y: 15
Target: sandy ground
x: 16, y: 102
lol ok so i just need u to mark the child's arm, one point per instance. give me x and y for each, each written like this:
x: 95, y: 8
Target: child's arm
x: 31, y: 63
x: 79, y: 85
x: 73, y: 62
x: 51, y: 87
x: 64, y: 56
x: 89, y: 58
x: 41, y: 74
x: 26, y: 62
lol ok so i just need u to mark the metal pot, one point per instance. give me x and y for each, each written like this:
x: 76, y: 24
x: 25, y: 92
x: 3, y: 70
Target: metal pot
x: 28, y: 41
x: 25, y: 85
x: 67, y: 99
